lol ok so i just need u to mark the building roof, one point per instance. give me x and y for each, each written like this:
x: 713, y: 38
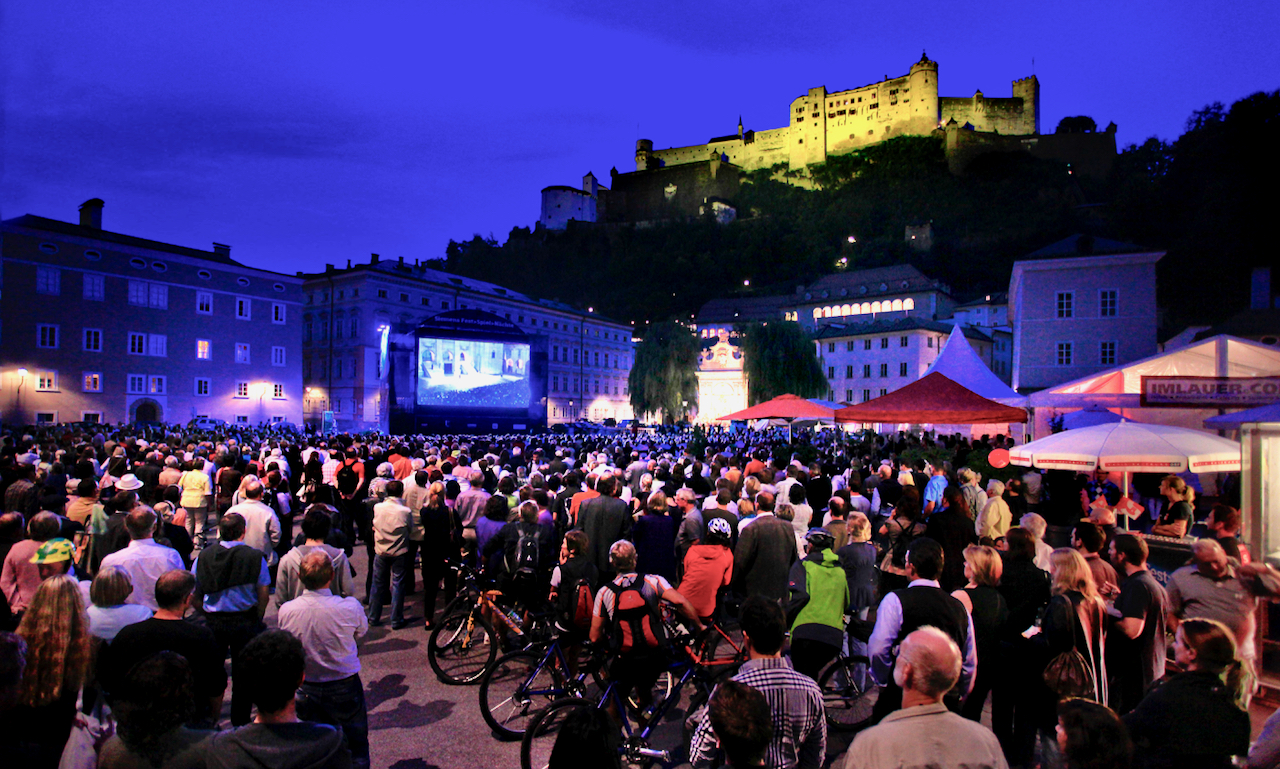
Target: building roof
x: 566, y: 188
x: 1085, y: 245
x: 1248, y: 323
x: 892, y: 325
x: 996, y: 298
x: 744, y: 309
x: 31, y: 221
x: 877, y: 281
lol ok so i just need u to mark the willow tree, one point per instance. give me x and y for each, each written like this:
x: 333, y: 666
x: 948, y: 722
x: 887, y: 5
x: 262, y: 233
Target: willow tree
x: 779, y: 358
x: 664, y: 377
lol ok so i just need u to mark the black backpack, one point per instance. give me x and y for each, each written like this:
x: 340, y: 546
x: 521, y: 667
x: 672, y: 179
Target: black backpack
x: 575, y: 599
x: 898, y: 556
x: 347, y: 479
x: 524, y: 560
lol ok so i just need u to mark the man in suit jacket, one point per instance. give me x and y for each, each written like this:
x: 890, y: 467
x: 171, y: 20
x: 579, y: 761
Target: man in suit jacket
x: 604, y: 519
x: 766, y: 549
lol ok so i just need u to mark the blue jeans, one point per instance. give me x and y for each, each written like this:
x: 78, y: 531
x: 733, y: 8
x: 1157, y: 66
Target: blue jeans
x: 339, y: 703
x: 396, y: 569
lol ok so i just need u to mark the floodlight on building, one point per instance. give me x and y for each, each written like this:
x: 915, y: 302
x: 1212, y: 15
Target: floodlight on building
x: 22, y: 372
x: 746, y: 282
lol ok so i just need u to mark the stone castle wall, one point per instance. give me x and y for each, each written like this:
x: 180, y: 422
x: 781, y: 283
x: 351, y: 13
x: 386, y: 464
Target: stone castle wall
x: 823, y: 123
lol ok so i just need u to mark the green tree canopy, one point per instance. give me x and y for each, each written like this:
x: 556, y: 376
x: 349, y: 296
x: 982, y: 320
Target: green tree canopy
x: 779, y: 358
x: 664, y: 377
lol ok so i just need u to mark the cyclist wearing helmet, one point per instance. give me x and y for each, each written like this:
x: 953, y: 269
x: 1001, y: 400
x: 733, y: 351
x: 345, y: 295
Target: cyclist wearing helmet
x: 708, y: 567
x: 819, y: 600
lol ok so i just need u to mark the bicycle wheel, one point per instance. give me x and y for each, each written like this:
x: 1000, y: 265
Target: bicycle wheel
x: 542, y: 732
x: 515, y: 688
x: 461, y: 648
x: 848, y: 692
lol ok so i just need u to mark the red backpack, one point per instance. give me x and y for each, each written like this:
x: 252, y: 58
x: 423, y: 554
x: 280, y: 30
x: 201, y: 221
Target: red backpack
x: 636, y: 624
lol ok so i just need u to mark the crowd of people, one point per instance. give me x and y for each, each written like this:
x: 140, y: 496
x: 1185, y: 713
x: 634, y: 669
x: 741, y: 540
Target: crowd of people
x: 137, y: 565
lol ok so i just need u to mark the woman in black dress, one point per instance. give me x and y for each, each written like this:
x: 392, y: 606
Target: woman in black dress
x: 983, y: 568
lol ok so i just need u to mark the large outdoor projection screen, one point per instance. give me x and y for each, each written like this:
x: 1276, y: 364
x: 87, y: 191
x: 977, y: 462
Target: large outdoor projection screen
x: 472, y: 374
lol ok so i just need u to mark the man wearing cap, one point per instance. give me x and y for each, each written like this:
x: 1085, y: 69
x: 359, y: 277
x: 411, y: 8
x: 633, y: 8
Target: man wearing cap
x: 819, y: 599
x: 144, y: 559
x: 20, y: 577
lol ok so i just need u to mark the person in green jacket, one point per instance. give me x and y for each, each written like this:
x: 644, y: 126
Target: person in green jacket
x: 819, y: 600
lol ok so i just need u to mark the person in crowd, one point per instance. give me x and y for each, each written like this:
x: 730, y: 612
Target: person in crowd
x: 231, y: 594
x: 691, y: 528
x: 653, y: 532
x: 741, y: 724
x: 1223, y: 525
x: 262, y: 527
x: 441, y: 538
x: 708, y: 568
x: 152, y: 714
x: 110, y: 611
x: 836, y: 522
x: 316, y: 525
x: 144, y: 559
x: 795, y: 702
x: 923, y: 732
x: 392, y: 522
x: 1137, y: 648
x: 329, y: 626
x: 525, y: 553
x: 1209, y: 588
x: 1196, y: 718
x: 1091, y: 736
x: 196, y: 490
x: 974, y: 497
x: 903, y: 527
x: 470, y: 505
x: 765, y: 552
x: 819, y: 600
x: 901, y: 612
x: 995, y: 518
x: 1178, y: 515
x: 858, y: 559
x: 84, y: 496
x: 275, y: 664
x: 487, y: 527
x: 988, y: 613
x: 1099, y: 488
x: 169, y: 630
x: 1015, y: 708
x: 952, y: 527
x: 18, y: 748
x: 56, y: 631
x: 932, y: 496
x: 1074, y: 621
x: 604, y: 519
x: 20, y: 577
x: 1036, y: 526
x: 1087, y: 538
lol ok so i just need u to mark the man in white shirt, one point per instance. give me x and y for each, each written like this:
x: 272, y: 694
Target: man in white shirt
x: 328, y: 626
x: 261, y: 526
x: 144, y: 559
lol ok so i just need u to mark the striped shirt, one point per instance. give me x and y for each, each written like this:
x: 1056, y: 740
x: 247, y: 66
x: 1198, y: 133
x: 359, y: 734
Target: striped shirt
x: 795, y: 702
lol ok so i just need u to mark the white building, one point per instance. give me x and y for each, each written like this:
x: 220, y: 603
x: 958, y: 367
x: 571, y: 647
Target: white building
x: 1081, y: 306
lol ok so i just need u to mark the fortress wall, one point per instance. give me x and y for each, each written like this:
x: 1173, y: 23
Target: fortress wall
x: 1008, y: 116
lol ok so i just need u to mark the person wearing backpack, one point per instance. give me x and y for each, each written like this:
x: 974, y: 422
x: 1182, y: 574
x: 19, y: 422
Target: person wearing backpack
x: 573, y: 594
x: 349, y: 479
x: 527, y: 548
x: 627, y: 614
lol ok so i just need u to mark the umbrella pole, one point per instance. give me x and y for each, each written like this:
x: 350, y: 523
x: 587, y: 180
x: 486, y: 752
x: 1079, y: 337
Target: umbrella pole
x: 1126, y: 496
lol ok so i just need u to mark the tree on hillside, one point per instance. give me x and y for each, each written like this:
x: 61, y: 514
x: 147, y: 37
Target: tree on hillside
x: 779, y: 358
x: 664, y: 376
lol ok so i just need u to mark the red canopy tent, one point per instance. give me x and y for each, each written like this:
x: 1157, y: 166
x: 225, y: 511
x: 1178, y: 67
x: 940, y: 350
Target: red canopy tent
x: 789, y: 407
x: 934, y: 399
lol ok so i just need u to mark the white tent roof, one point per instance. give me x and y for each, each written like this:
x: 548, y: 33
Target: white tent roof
x: 1221, y: 355
x: 959, y: 363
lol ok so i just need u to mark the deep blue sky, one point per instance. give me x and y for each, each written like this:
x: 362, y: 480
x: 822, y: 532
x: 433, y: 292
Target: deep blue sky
x: 311, y: 132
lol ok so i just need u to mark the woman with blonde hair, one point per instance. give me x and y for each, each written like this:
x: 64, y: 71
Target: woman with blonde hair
x: 441, y: 540
x: 1178, y: 515
x: 1198, y: 717
x: 56, y: 630
x: 982, y: 599
x: 1075, y: 617
x: 108, y: 611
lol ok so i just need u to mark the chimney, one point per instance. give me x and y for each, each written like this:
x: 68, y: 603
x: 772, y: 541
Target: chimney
x: 402, y: 260
x: 348, y: 264
x: 222, y: 249
x: 374, y: 260
x: 1260, y: 288
x: 91, y: 213
x: 328, y: 268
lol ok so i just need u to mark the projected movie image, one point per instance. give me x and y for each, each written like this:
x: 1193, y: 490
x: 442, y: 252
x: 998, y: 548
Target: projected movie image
x: 467, y: 373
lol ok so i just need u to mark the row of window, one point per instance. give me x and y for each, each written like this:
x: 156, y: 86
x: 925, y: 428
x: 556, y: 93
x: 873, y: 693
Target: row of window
x: 866, y: 371
x: 851, y: 345
x: 595, y: 386
x: 145, y: 293
x: 866, y: 395
x: 1106, y: 354
x: 1107, y: 303
x: 140, y: 384
x: 155, y: 345
x: 560, y: 354
x: 866, y: 308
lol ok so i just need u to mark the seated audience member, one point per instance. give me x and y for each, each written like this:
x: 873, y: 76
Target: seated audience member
x: 108, y: 612
x: 151, y: 719
x: 274, y: 663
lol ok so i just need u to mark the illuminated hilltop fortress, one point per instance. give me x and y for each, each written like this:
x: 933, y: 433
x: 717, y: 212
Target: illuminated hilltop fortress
x: 836, y: 123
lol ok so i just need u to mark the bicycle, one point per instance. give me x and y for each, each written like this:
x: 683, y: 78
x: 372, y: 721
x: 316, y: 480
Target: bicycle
x: 522, y: 682
x: 849, y: 692
x: 636, y: 741
x: 464, y: 644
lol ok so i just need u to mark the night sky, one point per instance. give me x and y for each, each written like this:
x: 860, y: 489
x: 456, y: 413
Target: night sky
x: 311, y: 132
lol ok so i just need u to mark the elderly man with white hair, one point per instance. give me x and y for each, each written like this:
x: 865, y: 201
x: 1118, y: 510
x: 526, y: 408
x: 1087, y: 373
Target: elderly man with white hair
x: 923, y: 732
x: 996, y: 518
x: 1037, y: 525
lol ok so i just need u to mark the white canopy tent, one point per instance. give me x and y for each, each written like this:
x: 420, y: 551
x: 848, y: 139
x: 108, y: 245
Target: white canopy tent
x: 1120, y: 388
x: 959, y: 363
